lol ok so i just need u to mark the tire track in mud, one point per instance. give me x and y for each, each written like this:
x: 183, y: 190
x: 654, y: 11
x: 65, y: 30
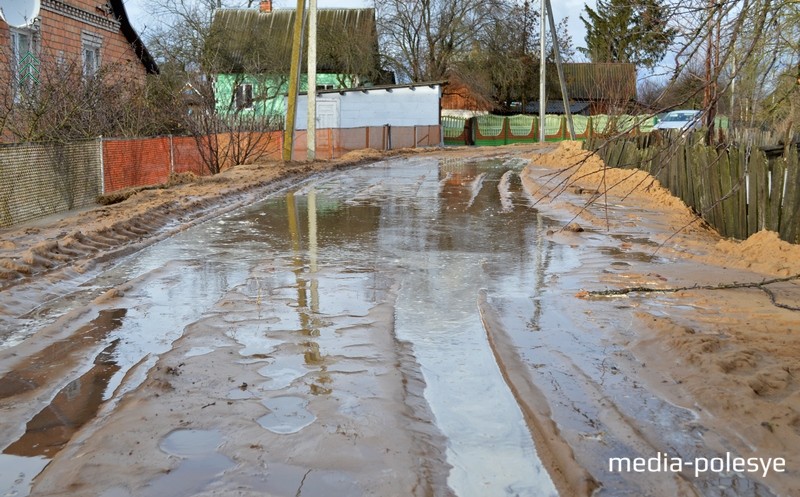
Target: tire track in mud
x: 82, y: 248
x: 557, y: 456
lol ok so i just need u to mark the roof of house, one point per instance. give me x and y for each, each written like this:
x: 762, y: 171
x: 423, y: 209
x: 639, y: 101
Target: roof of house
x: 249, y: 41
x: 600, y: 81
x: 118, y: 6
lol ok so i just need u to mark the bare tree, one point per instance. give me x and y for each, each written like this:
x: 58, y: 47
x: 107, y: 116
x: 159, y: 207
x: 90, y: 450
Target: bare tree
x: 421, y: 40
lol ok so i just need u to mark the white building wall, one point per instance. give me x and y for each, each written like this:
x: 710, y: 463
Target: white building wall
x: 400, y: 106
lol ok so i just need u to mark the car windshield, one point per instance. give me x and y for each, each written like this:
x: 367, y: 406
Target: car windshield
x: 680, y: 116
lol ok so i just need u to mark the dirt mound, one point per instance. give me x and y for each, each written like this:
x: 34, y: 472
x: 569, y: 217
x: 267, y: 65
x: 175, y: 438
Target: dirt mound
x: 764, y: 252
x: 359, y: 155
x: 586, y: 170
x: 570, y: 169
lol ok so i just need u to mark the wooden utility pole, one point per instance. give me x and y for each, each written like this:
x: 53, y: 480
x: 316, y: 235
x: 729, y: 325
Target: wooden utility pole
x: 312, y: 81
x: 561, y: 80
x: 546, y: 10
x: 294, y: 80
x: 542, y: 72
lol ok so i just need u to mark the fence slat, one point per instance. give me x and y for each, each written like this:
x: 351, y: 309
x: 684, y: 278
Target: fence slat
x: 790, y: 229
x: 728, y: 205
x: 736, y: 158
x: 776, y: 194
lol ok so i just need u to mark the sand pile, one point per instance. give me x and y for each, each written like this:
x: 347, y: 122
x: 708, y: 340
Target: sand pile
x: 570, y: 169
x: 764, y: 252
x: 579, y: 168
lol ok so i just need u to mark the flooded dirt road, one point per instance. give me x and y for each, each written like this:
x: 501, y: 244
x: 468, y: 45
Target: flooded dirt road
x: 313, y: 299
x: 406, y: 328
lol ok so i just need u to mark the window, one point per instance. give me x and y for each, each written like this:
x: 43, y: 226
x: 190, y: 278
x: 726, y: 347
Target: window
x: 90, y: 51
x: 244, y: 96
x: 21, y: 45
x: 324, y: 87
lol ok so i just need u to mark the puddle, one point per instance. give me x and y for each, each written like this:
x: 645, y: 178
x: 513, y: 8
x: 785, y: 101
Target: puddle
x: 288, y: 415
x: 42, y: 368
x: 201, y: 465
x: 253, y: 337
x: 283, y: 371
x: 296, y: 263
x: 198, y: 351
x: 191, y: 443
x: 72, y: 407
x: 17, y: 473
x: 631, y: 255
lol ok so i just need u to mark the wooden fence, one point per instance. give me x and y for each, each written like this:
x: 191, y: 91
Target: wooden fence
x: 738, y: 189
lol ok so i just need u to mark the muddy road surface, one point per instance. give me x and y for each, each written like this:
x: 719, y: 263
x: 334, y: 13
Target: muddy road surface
x: 420, y: 325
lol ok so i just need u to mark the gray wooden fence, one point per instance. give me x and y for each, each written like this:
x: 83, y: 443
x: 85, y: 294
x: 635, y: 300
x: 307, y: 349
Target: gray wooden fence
x: 738, y: 189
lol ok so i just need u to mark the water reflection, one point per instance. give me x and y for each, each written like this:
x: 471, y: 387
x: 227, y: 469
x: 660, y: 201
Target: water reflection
x: 72, y: 407
x: 48, y: 365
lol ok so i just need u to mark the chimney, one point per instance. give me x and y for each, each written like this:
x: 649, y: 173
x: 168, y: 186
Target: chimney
x: 265, y: 6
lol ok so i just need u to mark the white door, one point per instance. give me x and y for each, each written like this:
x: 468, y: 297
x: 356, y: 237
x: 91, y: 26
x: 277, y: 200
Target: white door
x: 327, y: 113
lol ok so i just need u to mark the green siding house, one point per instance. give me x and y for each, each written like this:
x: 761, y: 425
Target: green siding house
x: 248, y: 54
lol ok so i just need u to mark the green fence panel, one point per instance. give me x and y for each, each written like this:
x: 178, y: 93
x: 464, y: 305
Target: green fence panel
x: 521, y: 125
x: 581, y: 124
x: 601, y: 124
x: 646, y: 123
x: 521, y: 129
x: 491, y: 130
x: 626, y: 123
x: 453, y: 129
x: 552, y: 125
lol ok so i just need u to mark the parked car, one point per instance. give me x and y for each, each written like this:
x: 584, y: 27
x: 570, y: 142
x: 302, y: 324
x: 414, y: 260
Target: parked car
x: 686, y: 120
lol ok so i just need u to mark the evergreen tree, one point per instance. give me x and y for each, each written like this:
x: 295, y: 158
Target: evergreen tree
x: 634, y: 31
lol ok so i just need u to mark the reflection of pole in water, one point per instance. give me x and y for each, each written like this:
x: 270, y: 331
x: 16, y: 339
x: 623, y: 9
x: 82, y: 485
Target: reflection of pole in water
x: 312, y: 248
x: 291, y: 208
x: 541, y: 262
x: 297, y: 259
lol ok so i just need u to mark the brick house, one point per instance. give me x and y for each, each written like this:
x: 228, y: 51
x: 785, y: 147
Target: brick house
x: 87, y: 33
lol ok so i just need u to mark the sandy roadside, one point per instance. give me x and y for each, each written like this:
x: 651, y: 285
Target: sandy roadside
x: 730, y: 357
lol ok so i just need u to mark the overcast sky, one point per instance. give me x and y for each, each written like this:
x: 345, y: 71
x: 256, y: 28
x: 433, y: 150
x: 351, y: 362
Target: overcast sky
x: 561, y: 8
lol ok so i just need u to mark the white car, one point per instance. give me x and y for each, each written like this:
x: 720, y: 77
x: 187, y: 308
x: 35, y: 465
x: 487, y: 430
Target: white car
x: 686, y: 120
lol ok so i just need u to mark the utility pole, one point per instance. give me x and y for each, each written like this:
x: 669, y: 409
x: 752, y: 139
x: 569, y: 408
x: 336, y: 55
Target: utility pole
x: 312, y: 81
x: 294, y: 80
x: 561, y: 80
x: 542, y: 73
